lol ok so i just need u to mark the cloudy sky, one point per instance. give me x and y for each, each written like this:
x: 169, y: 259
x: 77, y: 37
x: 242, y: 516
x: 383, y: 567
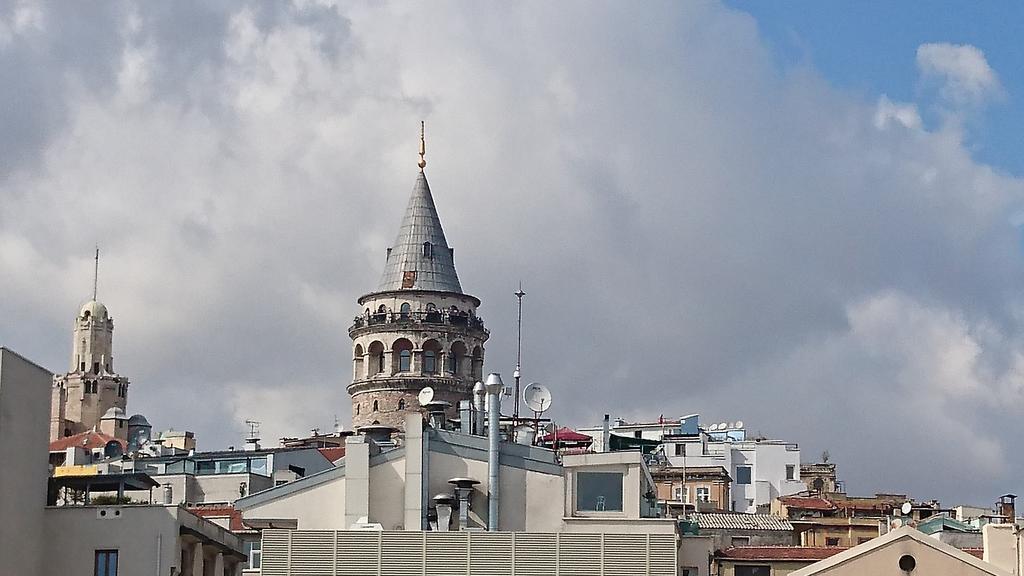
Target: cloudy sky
x: 808, y: 220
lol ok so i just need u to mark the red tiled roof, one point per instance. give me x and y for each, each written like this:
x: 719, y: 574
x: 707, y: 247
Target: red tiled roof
x: 89, y: 440
x: 978, y: 553
x: 210, y: 512
x: 807, y: 503
x: 566, y: 435
x: 333, y: 454
x: 808, y: 553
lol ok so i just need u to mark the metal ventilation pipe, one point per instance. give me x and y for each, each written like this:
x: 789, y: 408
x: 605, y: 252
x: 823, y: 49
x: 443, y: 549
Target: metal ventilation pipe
x: 478, y: 409
x: 493, y: 388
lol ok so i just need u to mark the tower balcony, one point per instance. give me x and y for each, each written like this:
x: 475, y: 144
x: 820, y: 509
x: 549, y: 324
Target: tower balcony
x: 417, y: 321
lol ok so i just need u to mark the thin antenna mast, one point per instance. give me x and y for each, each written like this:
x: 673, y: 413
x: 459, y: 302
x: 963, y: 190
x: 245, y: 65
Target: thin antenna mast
x: 96, y: 273
x: 519, y: 352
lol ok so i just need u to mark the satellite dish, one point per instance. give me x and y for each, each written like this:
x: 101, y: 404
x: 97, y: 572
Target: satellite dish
x: 713, y: 427
x: 426, y: 395
x: 739, y: 424
x: 723, y: 425
x: 537, y: 397
x: 906, y: 508
x: 896, y: 523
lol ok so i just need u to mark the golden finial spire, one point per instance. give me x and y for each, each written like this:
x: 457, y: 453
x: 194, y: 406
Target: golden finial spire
x: 423, y: 148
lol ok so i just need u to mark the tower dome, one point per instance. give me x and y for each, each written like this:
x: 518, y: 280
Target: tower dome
x: 93, y: 309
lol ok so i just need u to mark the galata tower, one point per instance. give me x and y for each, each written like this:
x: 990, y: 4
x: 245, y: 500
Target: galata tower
x: 418, y: 328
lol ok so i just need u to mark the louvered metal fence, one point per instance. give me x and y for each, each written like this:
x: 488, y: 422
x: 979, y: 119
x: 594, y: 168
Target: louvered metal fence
x: 331, y: 553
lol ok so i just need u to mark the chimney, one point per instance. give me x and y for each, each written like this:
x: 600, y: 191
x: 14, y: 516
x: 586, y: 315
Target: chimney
x: 1007, y: 508
x: 606, y: 434
x: 463, y: 489
x: 465, y: 416
x: 494, y: 389
x: 478, y: 407
x: 444, y: 503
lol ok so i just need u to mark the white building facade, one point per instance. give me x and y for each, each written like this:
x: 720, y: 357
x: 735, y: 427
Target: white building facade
x: 761, y: 469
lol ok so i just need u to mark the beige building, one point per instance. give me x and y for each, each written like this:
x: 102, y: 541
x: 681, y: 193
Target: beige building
x: 902, y: 552
x: 91, y: 390
x: 418, y: 329
x: 393, y: 485
x: 703, y: 488
x: 24, y: 397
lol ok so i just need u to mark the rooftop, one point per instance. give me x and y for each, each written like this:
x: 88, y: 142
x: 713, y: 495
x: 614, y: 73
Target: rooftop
x: 795, y: 553
x: 739, y: 521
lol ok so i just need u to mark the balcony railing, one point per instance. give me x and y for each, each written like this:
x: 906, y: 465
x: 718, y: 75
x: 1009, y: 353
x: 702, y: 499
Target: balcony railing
x: 440, y: 317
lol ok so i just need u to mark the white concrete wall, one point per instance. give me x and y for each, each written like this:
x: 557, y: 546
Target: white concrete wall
x: 320, y: 507
x: 145, y: 538
x: 24, y: 431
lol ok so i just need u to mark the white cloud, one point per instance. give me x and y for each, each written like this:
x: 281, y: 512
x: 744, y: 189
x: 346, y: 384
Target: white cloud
x: 888, y: 112
x: 962, y: 69
x: 682, y: 213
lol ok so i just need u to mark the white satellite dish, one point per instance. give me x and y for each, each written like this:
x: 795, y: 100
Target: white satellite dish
x: 896, y: 523
x: 723, y: 425
x: 713, y: 427
x: 739, y: 424
x: 426, y: 395
x: 906, y: 508
x: 537, y: 397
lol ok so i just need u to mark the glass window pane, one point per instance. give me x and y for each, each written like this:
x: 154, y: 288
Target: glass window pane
x: 259, y: 466
x: 743, y: 474
x: 429, y: 362
x: 404, y: 362
x: 599, y: 491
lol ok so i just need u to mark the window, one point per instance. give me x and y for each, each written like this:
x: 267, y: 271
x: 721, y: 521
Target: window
x: 401, y: 404
x: 405, y: 361
x: 376, y: 406
x: 429, y: 362
x: 380, y: 362
x: 95, y: 367
x: 357, y: 409
x: 703, y: 494
x: 790, y: 472
x: 677, y: 493
x: 680, y: 449
x: 106, y: 563
x: 753, y: 570
x: 254, y: 550
x: 831, y: 541
x: 739, y: 541
x: 428, y: 250
x: 405, y: 310
x: 743, y: 474
x: 637, y: 434
x: 599, y: 491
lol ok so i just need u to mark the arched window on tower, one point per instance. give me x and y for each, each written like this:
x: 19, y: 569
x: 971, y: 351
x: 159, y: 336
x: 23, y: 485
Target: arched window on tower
x: 401, y: 356
x: 428, y: 250
x: 405, y: 311
x: 401, y: 404
x: 376, y: 353
x: 376, y: 406
x: 431, y: 357
x: 357, y: 409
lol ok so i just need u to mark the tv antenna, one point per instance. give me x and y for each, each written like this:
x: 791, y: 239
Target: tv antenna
x: 254, y: 429
x: 519, y: 353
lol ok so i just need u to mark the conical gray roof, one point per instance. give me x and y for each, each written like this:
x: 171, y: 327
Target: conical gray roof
x: 420, y: 258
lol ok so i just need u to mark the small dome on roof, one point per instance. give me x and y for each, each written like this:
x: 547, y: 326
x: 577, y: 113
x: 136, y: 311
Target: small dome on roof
x: 139, y: 420
x: 114, y: 413
x: 94, y: 309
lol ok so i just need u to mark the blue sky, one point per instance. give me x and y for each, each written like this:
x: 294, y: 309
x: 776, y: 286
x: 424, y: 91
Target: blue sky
x: 869, y: 47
